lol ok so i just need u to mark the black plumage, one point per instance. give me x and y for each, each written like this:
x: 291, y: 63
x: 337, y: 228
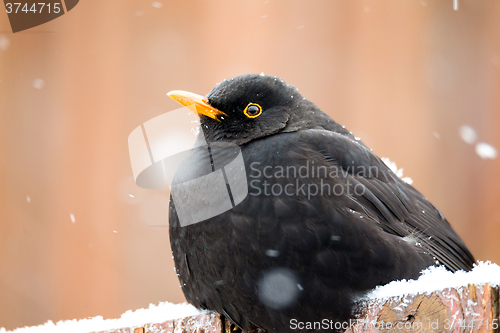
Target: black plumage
x: 278, y: 257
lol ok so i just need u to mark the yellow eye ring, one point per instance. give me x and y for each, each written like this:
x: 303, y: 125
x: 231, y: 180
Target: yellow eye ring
x: 253, y: 110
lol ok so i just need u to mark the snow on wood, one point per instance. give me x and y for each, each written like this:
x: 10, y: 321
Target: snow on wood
x: 439, y: 301
x: 468, y: 308
x: 438, y: 278
x: 161, y: 313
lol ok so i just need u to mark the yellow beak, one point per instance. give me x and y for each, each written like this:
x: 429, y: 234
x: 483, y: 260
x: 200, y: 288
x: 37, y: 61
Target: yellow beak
x: 196, y: 103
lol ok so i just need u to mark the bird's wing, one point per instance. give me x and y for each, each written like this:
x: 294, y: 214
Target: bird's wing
x: 398, y: 207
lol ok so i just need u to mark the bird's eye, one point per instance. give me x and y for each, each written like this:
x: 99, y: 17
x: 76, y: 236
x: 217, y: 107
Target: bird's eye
x: 253, y: 110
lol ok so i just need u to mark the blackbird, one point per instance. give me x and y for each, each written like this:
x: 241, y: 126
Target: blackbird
x: 323, y: 222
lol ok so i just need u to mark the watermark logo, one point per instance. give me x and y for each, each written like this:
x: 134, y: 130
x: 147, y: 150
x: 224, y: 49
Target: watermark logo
x: 27, y: 14
x: 308, y: 180
x: 205, y: 179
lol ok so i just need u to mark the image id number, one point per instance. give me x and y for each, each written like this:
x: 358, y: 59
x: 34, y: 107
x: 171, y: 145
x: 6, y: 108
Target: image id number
x: 35, y: 8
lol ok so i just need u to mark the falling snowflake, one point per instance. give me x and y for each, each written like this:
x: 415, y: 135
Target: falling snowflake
x: 485, y: 150
x: 279, y: 288
x: 4, y: 43
x: 38, y: 83
x: 468, y: 134
x: 272, y: 253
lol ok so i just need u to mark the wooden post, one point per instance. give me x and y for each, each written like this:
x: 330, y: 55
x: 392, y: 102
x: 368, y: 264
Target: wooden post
x: 471, y: 309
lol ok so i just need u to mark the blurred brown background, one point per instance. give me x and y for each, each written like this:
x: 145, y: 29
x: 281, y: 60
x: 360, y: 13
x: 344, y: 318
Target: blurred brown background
x: 402, y: 75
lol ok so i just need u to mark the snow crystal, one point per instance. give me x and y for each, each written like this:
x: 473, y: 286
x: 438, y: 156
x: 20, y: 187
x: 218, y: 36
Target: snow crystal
x: 4, y: 43
x: 196, y: 130
x: 468, y: 134
x: 157, y: 4
x: 72, y: 217
x: 485, y: 150
x: 278, y: 288
x: 407, y: 180
x: 438, y: 278
x: 38, y: 83
x: 398, y: 172
x: 272, y: 253
x: 154, y: 314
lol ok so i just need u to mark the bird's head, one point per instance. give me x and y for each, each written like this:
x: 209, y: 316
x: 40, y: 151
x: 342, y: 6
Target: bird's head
x: 245, y: 108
